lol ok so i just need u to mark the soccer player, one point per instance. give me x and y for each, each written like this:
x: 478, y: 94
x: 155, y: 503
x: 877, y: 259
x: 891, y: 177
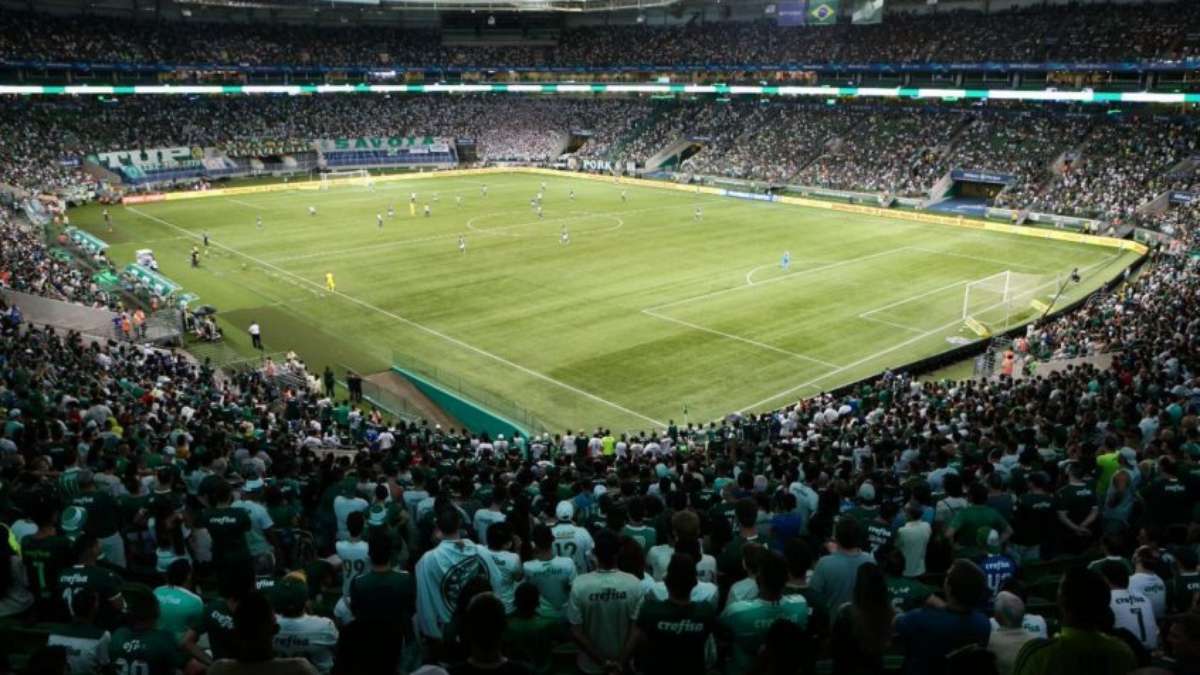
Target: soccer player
x: 329, y: 283
x: 786, y: 262
x: 533, y: 204
x: 699, y: 214
x: 624, y: 197
x: 483, y: 189
x: 195, y: 256
x: 427, y: 211
x: 458, y: 200
x: 391, y: 211
x: 108, y: 220
x: 379, y: 220
x: 258, y: 220
x: 436, y: 197
x: 462, y: 244
x: 543, y: 186
x: 412, y: 198
x: 539, y: 212
x: 205, y: 240
x: 564, y: 238
x: 571, y: 196
x: 312, y: 210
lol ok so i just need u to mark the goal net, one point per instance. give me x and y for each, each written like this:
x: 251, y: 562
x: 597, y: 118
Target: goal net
x: 352, y: 177
x: 1004, y: 299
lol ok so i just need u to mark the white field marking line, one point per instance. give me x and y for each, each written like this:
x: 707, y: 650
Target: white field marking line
x: 978, y: 258
x: 798, y: 273
x: 893, y: 324
x: 239, y: 202
x: 731, y: 336
x: 750, y: 275
x: 889, y: 350
x: 409, y: 322
x: 393, y: 244
x: 909, y: 299
x: 578, y: 215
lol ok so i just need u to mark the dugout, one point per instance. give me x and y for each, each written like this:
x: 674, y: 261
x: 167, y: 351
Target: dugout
x: 978, y: 185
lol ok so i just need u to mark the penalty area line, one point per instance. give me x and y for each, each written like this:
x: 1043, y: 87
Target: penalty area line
x: 409, y: 322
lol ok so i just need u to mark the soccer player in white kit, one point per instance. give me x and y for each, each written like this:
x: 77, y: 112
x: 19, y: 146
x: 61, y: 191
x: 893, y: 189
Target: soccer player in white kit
x: 565, y: 237
x: 379, y: 220
x: 462, y: 244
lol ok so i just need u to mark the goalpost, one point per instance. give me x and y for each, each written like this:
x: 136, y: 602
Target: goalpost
x: 357, y: 177
x: 998, y: 299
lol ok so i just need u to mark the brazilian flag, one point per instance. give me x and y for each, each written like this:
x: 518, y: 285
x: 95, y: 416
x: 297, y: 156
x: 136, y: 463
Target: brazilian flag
x: 822, y: 12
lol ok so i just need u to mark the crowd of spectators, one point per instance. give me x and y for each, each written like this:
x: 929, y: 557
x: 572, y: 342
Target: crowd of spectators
x: 882, y: 153
x: 1120, y: 169
x: 171, y: 517
x: 1090, y: 33
x: 773, y: 142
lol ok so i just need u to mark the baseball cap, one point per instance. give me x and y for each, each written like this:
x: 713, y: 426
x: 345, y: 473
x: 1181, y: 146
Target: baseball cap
x: 988, y: 540
x: 564, y: 511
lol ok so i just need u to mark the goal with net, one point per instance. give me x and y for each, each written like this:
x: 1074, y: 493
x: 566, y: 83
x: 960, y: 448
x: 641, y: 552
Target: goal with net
x: 352, y: 177
x: 1004, y: 299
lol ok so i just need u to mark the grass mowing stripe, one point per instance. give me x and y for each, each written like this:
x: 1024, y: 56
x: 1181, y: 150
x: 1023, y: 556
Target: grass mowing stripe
x: 414, y: 324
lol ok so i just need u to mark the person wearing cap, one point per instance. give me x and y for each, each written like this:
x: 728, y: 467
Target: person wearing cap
x: 85, y: 573
x: 139, y: 647
x: 602, y: 608
x: 570, y: 540
x: 1081, y: 647
x: 1008, y: 632
x: 103, y: 518
x: 260, y: 539
x: 300, y: 633
x: 966, y: 525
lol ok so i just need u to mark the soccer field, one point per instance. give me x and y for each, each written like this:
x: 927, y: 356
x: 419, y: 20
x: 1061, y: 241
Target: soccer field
x: 645, y: 310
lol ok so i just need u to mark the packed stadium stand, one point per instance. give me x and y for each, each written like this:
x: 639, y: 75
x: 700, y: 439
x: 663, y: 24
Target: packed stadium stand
x: 166, y: 516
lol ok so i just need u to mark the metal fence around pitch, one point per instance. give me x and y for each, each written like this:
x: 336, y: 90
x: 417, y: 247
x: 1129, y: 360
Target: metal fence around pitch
x: 471, y: 393
x: 387, y: 401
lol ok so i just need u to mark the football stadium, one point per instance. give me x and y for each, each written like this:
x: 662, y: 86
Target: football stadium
x: 833, y: 337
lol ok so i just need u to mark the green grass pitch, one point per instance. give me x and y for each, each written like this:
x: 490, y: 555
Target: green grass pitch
x: 645, y: 310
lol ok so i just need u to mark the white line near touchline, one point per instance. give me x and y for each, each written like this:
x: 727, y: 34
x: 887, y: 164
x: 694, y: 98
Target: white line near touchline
x: 772, y: 280
x: 409, y: 322
x: 731, y: 336
x: 894, y: 347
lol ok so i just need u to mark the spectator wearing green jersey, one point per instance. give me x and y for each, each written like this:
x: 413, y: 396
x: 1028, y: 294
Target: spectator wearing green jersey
x: 254, y: 633
x: 179, y: 609
x: 729, y: 562
x: 645, y: 535
x: 85, y: 642
x: 967, y: 523
x: 85, y: 573
x: 671, y: 634
x: 46, y: 553
x: 747, y: 622
x: 1081, y: 647
x: 905, y: 592
x: 139, y: 647
x: 382, y: 602
x: 103, y: 518
x: 1078, y: 510
x: 1185, y: 585
x: 228, y: 527
x: 217, y: 622
x: 529, y: 631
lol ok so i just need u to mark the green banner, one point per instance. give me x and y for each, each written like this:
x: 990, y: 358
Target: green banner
x: 823, y: 12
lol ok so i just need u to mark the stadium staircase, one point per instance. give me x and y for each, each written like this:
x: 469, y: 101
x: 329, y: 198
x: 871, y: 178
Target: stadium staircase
x: 668, y: 152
